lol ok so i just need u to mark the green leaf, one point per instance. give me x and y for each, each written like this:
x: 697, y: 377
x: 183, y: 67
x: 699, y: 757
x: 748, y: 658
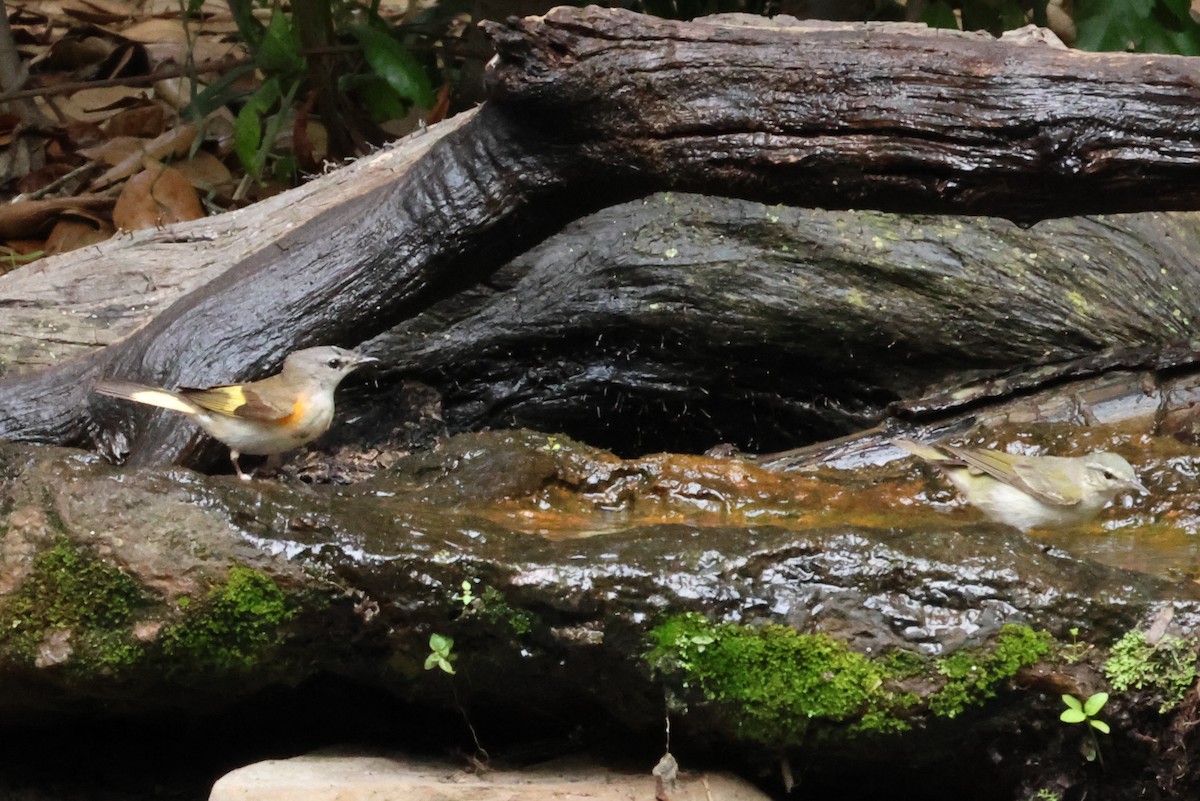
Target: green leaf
x: 1144, y: 26
x: 440, y: 644
x: 1072, y: 716
x: 446, y: 666
x: 939, y: 14
x: 1073, y: 703
x: 1100, y: 725
x: 280, y: 51
x: 248, y: 128
x: 248, y: 26
x: 216, y: 94
x: 380, y: 99
x: 1095, y: 704
x: 392, y: 62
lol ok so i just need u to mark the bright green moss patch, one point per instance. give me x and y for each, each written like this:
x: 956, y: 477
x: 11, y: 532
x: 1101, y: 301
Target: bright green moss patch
x: 1167, y: 667
x: 974, y: 674
x: 777, y: 685
x: 773, y: 680
x: 73, y: 609
x: 233, y: 627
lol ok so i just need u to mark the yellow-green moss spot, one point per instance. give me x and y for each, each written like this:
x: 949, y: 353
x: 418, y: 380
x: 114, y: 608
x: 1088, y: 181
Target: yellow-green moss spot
x: 772, y: 681
x: 77, y: 601
x: 974, y: 674
x: 1167, y: 667
x: 232, y: 628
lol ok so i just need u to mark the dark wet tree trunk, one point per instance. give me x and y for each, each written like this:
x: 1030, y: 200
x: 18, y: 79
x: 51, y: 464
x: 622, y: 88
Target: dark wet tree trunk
x: 590, y: 107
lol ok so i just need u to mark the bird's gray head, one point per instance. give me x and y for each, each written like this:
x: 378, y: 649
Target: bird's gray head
x: 1110, y: 474
x: 327, y: 364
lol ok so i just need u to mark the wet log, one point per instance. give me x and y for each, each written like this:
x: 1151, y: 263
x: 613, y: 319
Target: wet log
x: 621, y: 104
x: 680, y: 321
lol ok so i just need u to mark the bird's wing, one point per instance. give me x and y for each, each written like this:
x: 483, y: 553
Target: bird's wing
x: 1050, y: 482
x: 239, y: 400
x: 1047, y: 482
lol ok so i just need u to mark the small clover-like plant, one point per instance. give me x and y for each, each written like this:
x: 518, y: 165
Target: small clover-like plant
x: 1078, y: 711
x: 441, y: 653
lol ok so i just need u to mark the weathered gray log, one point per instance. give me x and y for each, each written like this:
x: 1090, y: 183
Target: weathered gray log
x: 621, y: 104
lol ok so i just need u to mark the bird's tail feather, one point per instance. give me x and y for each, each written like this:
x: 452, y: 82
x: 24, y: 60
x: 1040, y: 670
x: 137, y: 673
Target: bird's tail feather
x: 150, y: 396
x: 925, y: 452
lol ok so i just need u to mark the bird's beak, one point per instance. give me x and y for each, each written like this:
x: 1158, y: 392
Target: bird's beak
x: 1139, y: 486
x: 361, y: 359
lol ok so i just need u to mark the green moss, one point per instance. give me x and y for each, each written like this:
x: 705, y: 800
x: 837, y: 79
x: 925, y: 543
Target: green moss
x: 777, y: 686
x: 74, y: 606
x: 973, y: 675
x: 232, y: 628
x: 1167, y: 667
x: 774, y: 681
x: 494, y: 609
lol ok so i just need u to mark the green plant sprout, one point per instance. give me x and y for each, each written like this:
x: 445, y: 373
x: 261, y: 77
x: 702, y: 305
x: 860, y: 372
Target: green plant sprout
x: 1078, y: 711
x: 1075, y: 650
x: 468, y: 595
x: 440, y: 653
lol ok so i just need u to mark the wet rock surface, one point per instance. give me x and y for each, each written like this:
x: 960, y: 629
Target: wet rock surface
x: 587, y: 598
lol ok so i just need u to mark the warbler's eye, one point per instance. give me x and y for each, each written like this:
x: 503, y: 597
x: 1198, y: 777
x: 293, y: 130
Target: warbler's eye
x: 335, y: 363
x: 1110, y: 475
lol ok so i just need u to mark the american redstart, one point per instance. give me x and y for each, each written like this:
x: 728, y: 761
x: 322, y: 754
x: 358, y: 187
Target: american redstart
x: 264, y: 417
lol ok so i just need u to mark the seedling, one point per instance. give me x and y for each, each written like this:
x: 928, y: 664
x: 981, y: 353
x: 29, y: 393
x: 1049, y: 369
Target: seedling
x: 1085, y: 711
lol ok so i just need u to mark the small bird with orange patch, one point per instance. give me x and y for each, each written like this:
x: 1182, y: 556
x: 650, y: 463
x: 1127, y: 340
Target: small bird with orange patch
x: 261, y: 418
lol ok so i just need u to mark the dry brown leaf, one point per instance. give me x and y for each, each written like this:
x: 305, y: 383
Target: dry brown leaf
x: 40, y: 178
x: 95, y: 105
x: 144, y: 120
x: 155, y: 30
x: 155, y: 197
x: 75, y: 52
x: 176, y: 141
x: 207, y: 173
x: 207, y: 50
x: 30, y: 219
x: 77, y: 231
x: 115, y: 150
x: 97, y: 11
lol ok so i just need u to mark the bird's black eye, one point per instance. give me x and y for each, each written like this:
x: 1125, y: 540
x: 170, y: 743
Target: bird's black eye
x: 1110, y: 475
x: 335, y: 363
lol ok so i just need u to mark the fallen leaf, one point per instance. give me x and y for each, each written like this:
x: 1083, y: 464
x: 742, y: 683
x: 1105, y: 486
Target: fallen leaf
x: 155, y: 197
x: 31, y: 219
x: 144, y: 120
x: 207, y: 173
x: 176, y: 141
x: 77, y: 231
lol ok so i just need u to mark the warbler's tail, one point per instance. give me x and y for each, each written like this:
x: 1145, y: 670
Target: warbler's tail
x: 147, y: 395
x: 925, y: 452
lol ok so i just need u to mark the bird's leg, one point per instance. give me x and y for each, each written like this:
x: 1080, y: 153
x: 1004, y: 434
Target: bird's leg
x: 233, y: 457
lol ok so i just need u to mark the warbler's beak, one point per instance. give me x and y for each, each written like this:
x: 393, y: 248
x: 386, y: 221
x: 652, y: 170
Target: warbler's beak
x: 360, y: 359
x: 1135, y: 484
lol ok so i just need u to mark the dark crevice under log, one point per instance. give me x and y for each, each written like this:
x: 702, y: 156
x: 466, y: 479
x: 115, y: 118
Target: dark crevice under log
x: 592, y: 106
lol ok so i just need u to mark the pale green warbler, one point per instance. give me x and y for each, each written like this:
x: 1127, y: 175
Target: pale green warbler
x: 1032, y: 491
